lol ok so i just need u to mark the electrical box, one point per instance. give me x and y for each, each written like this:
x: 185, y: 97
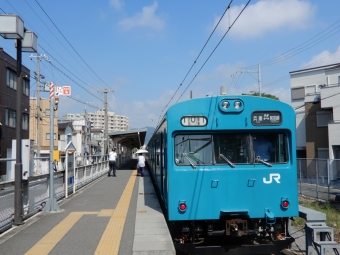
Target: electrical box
x: 27, y: 156
x: 56, y: 155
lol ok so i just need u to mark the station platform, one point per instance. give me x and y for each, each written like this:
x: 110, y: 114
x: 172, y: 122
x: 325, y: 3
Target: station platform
x: 112, y: 215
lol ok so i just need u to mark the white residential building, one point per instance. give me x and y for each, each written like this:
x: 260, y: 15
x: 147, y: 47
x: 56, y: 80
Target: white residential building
x: 97, y: 119
x: 316, y: 100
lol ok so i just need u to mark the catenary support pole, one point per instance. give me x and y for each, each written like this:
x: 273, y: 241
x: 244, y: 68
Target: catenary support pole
x: 18, y: 190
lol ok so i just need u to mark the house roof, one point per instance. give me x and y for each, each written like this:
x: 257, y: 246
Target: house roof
x: 63, y: 125
x: 326, y: 67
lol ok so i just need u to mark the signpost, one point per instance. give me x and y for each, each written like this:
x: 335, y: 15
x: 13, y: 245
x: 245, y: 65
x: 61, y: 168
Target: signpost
x: 52, y: 205
x: 63, y: 90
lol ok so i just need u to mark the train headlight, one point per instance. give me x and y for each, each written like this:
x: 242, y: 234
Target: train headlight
x: 225, y: 104
x: 237, y: 104
x: 231, y: 105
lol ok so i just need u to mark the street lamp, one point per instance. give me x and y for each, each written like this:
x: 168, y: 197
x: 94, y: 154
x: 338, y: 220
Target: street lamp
x: 12, y: 27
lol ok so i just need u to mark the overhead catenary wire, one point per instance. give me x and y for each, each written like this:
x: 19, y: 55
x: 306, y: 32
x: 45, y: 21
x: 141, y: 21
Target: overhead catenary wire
x: 195, y: 61
x: 208, y: 57
x: 214, y: 49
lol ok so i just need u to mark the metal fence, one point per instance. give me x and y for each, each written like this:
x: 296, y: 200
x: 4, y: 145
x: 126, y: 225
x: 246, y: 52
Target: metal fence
x: 36, y: 188
x: 319, y: 178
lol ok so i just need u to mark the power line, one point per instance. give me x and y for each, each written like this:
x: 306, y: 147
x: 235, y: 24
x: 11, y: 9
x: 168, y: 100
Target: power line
x: 59, y: 55
x: 79, y: 101
x: 55, y: 38
x: 297, y: 49
x: 72, y: 46
x: 74, y: 81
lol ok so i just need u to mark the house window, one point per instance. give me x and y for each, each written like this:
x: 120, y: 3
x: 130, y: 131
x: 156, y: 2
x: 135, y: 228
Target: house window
x: 11, y: 79
x: 11, y: 118
x: 323, y: 118
x: 25, y: 121
x: 47, y: 112
x: 323, y: 153
x: 25, y: 87
x: 298, y: 93
x: 311, y: 89
x: 69, y: 138
x: 48, y: 136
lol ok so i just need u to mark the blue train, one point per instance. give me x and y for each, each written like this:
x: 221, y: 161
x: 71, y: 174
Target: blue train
x: 224, y: 168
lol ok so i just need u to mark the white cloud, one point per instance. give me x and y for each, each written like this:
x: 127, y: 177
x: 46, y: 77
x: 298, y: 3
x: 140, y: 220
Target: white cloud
x: 146, y: 18
x: 147, y: 112
x: 267, y: 15
x: 117, y: 4
x: 324, y: 58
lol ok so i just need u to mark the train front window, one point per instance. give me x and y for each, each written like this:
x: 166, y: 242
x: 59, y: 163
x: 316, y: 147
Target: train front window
x: 193, y: 150
x: 231, y: 148
x: 270, y: 147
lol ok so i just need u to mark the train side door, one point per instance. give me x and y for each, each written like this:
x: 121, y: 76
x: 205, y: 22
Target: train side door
x: 165, y: 167
x: 161, y: 164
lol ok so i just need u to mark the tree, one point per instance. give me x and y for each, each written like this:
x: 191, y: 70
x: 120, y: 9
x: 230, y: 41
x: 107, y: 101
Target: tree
x: 256, y: 94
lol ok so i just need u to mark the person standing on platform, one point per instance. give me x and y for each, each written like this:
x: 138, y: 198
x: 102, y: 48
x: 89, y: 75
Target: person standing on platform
x: 141, y: 164
x: 112, y: 162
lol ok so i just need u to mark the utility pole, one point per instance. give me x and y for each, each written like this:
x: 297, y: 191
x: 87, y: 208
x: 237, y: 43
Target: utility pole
x: 88, y: 127
x: 105, y: 91
x: 259, y: 80
x: 258, y: 77
x: 38, y: 76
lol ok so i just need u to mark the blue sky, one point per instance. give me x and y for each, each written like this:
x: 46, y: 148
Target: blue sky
x: 143, y: 50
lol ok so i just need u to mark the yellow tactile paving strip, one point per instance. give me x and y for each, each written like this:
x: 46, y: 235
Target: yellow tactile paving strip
x: 46, y: 244
x: 110, y: 241
x: 106, y: 212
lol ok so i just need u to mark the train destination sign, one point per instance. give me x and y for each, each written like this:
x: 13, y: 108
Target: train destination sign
x: 266, y: 118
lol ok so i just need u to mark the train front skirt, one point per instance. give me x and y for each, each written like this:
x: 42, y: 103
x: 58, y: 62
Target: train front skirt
x: 275, y: 247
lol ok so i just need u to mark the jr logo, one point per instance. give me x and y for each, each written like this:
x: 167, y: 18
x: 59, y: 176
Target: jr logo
x: 276, y: 178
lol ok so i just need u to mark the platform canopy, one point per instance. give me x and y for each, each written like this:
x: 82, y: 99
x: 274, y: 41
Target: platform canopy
x: 131, y: 139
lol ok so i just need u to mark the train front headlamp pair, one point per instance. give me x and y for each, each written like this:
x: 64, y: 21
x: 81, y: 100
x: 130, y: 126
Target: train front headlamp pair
x: 231, y: 105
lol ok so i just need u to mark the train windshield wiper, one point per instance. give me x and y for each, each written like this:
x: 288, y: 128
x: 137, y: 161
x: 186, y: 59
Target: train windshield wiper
x: 189, y: 159
x: 228, y: 161
x: 257, y: 159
